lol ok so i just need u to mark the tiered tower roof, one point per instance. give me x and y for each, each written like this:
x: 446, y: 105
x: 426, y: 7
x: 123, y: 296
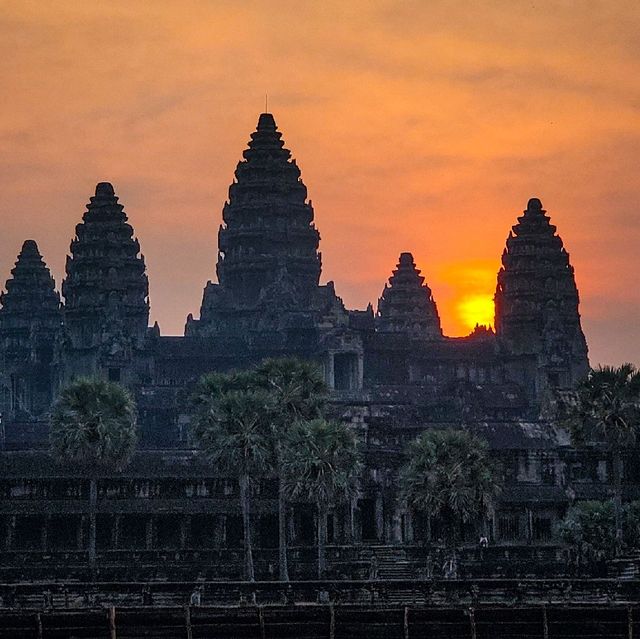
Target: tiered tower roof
x: 268, y: 233
x: 30, y: 298
x: 536, y: 296
x: 105, y: 271
x: 407, y: 305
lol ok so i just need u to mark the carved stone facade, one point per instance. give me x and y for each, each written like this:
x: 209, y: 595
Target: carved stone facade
x: 392, y: 372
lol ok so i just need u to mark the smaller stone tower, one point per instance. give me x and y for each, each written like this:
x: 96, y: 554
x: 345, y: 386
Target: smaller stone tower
x: 106, y: 306
x: 407, y: 305
x: 30, y: 324
x: 537, y: 319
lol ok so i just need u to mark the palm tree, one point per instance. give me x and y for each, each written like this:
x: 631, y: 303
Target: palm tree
x: 605, y: 410
x: 93, y: 425
x: 298, y: 392
x: 231, y: 427
x: 448, y: 475
x: 321, y: 464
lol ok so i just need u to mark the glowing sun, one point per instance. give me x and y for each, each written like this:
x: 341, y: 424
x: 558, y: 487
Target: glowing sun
x: 476, y: 309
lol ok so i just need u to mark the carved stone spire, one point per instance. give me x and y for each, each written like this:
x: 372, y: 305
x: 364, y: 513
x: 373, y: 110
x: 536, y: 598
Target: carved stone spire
x: 106, y: 280
x: 268, y: 223
x: 30, y: 322
x: 268, y: 261
x: 537, y: 300
x: 30, y: 299
x: 407, y: 305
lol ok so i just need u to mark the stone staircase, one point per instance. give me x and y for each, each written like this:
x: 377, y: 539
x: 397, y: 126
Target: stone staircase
x: 393, y: 563
x: 625, y: 567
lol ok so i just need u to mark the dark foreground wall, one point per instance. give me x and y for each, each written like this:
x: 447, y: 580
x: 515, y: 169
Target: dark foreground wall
x: 328, y: 621
x: 439, y: 609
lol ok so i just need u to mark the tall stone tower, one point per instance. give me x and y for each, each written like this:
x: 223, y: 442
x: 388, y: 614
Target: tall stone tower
x: 106, y: 306
x: 407, y: 305
x: 268, y: 261
x: 30, y: 324
x: 537, y: 319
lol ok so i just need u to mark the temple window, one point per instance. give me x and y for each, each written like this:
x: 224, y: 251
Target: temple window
x: 509, y: 527
x: 345, y: 371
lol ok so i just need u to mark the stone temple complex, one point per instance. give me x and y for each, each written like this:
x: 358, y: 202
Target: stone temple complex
x: 391, y: 371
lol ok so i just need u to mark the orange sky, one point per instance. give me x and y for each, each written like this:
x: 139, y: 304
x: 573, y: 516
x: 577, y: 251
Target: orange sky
x: 420, y: 126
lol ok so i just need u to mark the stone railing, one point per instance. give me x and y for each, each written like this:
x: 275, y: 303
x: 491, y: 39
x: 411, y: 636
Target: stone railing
x: 428, y: 592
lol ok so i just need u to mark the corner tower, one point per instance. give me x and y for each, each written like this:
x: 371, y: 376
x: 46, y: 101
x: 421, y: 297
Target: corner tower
x: 537, y: 319
x: 30, y: 325
x: 106, y: 310
x: 268, y: 261
x: 407, y: 305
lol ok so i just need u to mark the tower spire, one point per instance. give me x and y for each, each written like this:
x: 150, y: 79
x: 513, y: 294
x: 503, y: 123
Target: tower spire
x: 537, y: 301
x: 407, y: 305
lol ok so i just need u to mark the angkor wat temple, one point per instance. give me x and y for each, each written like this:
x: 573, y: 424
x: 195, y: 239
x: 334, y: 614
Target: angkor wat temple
x: 391, y: 371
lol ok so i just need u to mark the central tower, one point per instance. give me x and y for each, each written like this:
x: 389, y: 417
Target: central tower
x: 268, y: 261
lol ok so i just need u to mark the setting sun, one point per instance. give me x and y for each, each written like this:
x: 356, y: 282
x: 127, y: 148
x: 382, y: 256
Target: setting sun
x: 476, y: 309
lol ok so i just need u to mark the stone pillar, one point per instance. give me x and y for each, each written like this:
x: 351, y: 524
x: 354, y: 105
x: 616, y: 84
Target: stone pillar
x: 396, y: 524
x: 10, y: 531
x: 379, y: 511
x: 185, y: 525
x: 331, y: 379
x: 360, y: 372
x: 409, y: 527
x: 81, y: 527
x: 220, y: 534
x: 352, y: 529
x: 44, y: 532
x: 149, y: 534
x: 291, y: 526
x: 115, y: 531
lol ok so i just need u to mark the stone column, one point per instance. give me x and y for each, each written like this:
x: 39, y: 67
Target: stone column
x: 409, y: 527
x: 44, y: 532
x: 10, y: 531
x: 331, y: 379
x: 115, y: 532
x: 220, y: 533
x: 81, y: 528
x: 185, y: 525
x: 291, y: 526
x: 149, y: 533
x: 379, y: 510
x: 396, y: 524
x: 360, y: 372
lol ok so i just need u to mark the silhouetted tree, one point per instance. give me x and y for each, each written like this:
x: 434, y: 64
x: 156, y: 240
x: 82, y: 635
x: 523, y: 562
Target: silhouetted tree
x: 231, y: 426
x: 448, y: 475
x: 93, y: 425
x: 604, y: 410
x: 298, y: 392
x: 321, y: 464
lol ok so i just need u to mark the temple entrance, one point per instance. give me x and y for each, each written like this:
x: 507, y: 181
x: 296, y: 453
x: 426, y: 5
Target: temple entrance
x: 235, y: 533
x: 28, y: 532
x: 368, y: 520
x: 203, y: 531
x: 168, y: 531
x: 133, y: 532
x: 304, y: 521
x: 269, y: 531
x: 345, y: 371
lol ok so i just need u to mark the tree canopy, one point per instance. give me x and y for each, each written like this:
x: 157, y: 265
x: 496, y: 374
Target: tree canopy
x: 93, y: 423
x: 448, y: 475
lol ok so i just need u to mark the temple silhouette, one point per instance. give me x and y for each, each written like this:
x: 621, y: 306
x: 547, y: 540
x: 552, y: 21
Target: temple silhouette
x: 391, y: 371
